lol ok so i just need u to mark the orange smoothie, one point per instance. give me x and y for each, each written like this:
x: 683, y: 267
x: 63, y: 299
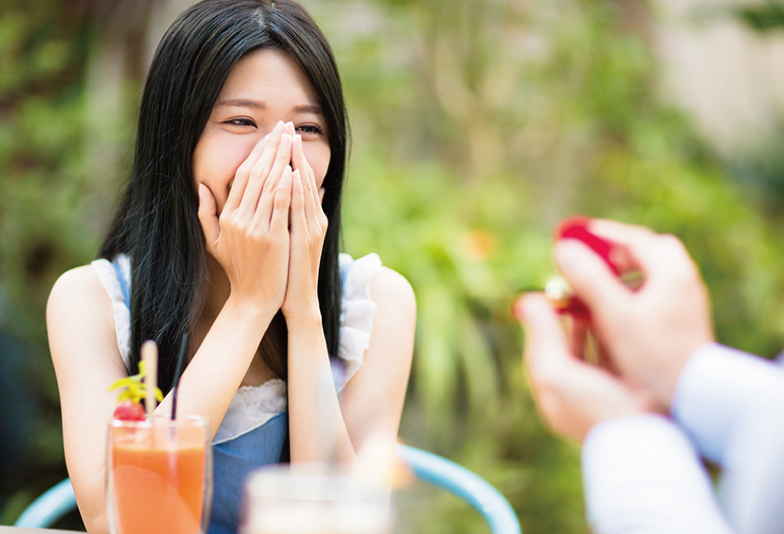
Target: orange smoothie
x: 158, y: 489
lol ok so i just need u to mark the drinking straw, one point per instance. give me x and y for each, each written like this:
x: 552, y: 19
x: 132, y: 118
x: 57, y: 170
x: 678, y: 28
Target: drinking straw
x: 150, y: 358
x: 178, y: 373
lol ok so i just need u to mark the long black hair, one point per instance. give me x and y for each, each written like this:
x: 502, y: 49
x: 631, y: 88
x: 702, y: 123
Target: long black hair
x: 156, y: 222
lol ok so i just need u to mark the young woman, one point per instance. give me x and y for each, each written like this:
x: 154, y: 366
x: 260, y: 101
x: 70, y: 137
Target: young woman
x: 229, y: 230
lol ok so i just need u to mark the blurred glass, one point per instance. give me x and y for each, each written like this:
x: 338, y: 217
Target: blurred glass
x: 312, y: 500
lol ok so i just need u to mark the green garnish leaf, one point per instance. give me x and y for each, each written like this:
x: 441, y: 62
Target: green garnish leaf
x: 134, y: 388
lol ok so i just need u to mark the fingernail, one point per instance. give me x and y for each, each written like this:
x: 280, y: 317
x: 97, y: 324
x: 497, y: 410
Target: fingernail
x: 517, y: 309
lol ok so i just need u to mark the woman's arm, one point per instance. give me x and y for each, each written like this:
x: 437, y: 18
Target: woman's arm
x: 372, y: 400
x: 324, y: 427
x: 87, y: 362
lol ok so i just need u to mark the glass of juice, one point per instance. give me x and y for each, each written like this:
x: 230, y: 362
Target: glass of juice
x: 313, y: 500
x: 159, y: 476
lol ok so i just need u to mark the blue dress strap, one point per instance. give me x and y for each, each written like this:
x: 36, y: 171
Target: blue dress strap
x: 126, y: 292
x: 344, y: 262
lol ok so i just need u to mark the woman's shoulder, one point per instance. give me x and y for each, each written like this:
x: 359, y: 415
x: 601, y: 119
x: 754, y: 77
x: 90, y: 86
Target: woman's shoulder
x: 77, y: 285
x: 79, y: 309
x: 78, y: 302
x: 367, y: 278
x: 389, y: 287
x: 378, y: 303
x: 378, y: 318
x: 396, y: 302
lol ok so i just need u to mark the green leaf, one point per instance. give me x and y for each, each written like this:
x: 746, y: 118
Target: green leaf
x: 134, y: 387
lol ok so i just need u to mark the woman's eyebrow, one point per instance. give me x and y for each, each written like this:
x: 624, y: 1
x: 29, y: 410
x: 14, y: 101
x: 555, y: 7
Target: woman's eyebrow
x: 240, y: 103
x: 255, y: 104
x: 308, y: 108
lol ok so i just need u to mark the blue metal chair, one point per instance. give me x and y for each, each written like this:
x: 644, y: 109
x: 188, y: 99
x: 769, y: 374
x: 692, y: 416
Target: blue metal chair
x: 49, y: 507
x: 467, y: 485
x: 59, y: 500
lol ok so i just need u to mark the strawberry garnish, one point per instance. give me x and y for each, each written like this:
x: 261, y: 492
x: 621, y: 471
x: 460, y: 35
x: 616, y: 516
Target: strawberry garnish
x: 128, y: 410
x: 133, y: 391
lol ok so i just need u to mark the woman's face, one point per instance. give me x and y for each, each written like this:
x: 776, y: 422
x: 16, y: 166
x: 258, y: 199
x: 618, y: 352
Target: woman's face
x: 263, y: 88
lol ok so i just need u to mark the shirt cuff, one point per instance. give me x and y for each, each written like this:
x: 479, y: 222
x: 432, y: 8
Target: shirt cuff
x: 642, y: 475
x: 714, y: 391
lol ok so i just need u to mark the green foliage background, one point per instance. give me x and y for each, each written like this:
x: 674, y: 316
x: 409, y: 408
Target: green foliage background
x: 477, y: 125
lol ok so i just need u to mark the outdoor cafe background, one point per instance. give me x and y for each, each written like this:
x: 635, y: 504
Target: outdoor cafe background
x: 477, y: 124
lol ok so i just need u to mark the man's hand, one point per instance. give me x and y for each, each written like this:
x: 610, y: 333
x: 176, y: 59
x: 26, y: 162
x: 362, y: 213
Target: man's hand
x: 572, y: 396
x: 650, y: 332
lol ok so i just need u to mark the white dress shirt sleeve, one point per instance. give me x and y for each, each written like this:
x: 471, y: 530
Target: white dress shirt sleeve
x: 732, y: 405
x: 715, y: 391
x: 752, y: 488
x: 642, y: 475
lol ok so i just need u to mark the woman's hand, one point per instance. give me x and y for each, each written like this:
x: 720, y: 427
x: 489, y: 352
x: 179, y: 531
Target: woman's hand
x: 250, y: 237
x: 308, y: 228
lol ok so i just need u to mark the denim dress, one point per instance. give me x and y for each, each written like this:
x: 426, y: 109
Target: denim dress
x: 254, y: 431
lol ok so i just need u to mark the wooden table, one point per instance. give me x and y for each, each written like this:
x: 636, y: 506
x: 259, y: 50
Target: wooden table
x: 19, y: 530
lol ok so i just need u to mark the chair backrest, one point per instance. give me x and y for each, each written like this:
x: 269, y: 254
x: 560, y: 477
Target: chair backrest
x: 467, y: 485
x: 49, y: 507
x: 429, y: 467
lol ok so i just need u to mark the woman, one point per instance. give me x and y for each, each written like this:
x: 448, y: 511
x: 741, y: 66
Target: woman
x: 228, y: 229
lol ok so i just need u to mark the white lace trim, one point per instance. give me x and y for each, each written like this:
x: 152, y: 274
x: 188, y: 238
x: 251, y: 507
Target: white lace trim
x: 356, y: 314
x: 253, y: 406
x: 122, y: 315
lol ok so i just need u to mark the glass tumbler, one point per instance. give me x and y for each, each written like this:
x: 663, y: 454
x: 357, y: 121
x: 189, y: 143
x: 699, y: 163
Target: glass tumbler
x: 313, y: 500
x: 159, y: 476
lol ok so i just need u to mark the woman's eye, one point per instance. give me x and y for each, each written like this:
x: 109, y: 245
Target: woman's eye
x: 241, y: 122
x: 310, y: 129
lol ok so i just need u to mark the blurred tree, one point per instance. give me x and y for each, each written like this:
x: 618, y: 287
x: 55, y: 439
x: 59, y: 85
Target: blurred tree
x: 41, y: 60
x: 477, y: 125
x: 762, y: 17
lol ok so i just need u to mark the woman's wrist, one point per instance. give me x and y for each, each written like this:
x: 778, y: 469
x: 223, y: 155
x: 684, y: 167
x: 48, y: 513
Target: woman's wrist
x: 245, y: 309
x: 304, y: 318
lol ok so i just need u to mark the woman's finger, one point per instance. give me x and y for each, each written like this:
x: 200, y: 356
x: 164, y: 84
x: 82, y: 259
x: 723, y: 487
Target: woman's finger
x: 259, y: 172
x: 264, y: 207
x: 241, y: 177
x: 298, y: 159
x: 311, y: 178
x: 279, y: 221
x: 281, y: 161
x: 310, y: 206
x: 298, y: 203
x: 208, y: 217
